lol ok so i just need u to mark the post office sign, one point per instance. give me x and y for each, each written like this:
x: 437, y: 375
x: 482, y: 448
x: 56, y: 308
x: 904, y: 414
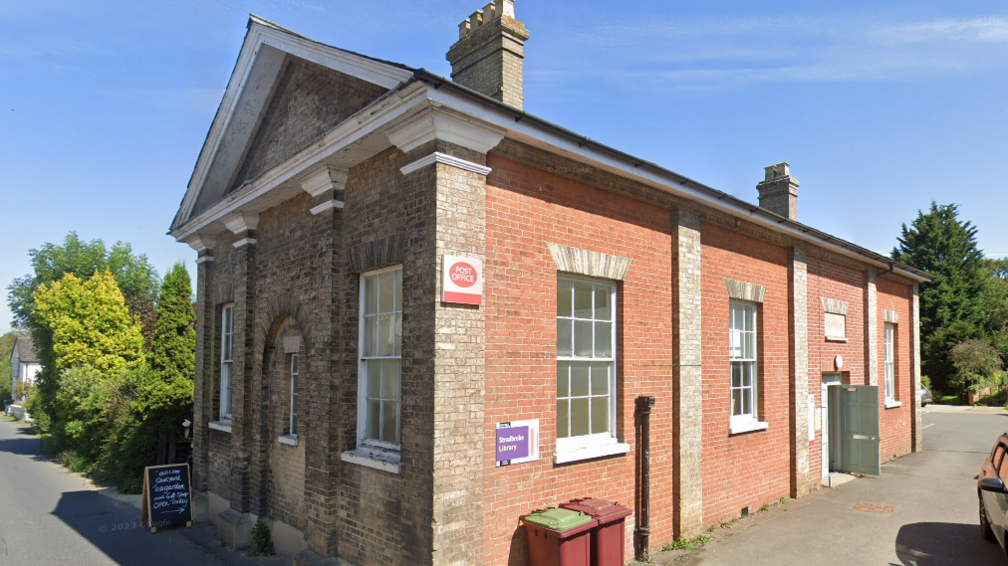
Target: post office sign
x: 461, y: 280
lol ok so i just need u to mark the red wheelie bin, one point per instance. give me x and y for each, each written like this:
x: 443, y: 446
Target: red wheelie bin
x: 607, y: 537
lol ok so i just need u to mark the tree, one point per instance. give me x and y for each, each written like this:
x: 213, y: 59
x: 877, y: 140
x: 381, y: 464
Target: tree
x: 90, y: 324
x: 169, y: 392
x: 86, y: 324
x: 975, y: 362
x: 6, y: 348
x: 951, y: 306
x: 136, y: 277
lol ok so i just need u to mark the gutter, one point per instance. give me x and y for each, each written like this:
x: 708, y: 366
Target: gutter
x: 707, y: 195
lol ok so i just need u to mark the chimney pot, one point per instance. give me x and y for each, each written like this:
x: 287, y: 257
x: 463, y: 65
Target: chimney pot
x: 488, y: 57
x: 778, y: 192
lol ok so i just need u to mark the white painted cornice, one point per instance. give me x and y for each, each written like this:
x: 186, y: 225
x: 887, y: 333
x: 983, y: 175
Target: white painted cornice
x: 241, y: 222
x: 325, y: 179
x: 259, y: 63
x: 337, y: 141
x: 445, y: 125
x: 331, y: 203
x: 438, y: 157
x: 201, y: 242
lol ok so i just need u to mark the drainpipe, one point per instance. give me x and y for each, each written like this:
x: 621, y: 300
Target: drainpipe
x: 643, y: 530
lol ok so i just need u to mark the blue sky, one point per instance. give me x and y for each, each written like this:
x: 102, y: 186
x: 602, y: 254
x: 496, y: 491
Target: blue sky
x: 880, y: 107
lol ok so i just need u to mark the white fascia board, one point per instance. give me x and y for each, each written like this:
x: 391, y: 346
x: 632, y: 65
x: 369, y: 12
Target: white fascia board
x: 222, y: 120
x: 527, y: 132
x: 381, y: 74
x: 385, y: 75
x: 367, y: 121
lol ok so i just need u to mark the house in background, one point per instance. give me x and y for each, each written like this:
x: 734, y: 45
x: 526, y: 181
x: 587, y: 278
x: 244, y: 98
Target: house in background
x: 24, y: 364
x: 424, y: 312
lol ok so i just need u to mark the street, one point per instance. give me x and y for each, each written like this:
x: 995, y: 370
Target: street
x: 932, y: 520
x: 51, y: 517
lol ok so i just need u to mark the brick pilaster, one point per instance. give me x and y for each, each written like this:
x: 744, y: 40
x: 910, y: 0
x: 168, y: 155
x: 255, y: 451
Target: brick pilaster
x: 243, y: 430
x: 871, y: 328
x: 798, y: 283
x: 688, y: 397
x: 915, y: 369
x: 203, y: 386
x: 459, y: 370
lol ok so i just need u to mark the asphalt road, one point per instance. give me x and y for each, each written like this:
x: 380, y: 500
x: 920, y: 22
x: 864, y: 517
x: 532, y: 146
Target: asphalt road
x: 932, y: 521
x: 51, y: 517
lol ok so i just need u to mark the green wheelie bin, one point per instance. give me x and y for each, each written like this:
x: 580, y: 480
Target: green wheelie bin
x: 559, y: 537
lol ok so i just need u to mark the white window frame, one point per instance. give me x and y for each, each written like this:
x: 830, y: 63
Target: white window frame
x: 744, y: 421
x: 599, y: 444
x: 295, y: 370
x: 382, y: 447
x: 889, y: 363
x: 226, y: 357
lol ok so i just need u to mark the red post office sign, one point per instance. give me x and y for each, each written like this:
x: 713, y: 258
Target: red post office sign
x: 461, y: 280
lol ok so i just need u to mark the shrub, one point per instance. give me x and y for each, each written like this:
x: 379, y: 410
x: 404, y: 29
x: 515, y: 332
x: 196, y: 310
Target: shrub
x: 262, y: 543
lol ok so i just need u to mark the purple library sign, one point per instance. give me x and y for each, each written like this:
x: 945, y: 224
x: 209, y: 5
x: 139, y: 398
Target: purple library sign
x: 512, y: 443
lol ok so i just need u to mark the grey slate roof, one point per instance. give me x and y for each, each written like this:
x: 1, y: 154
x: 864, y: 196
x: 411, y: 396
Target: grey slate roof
x: 26, y: 350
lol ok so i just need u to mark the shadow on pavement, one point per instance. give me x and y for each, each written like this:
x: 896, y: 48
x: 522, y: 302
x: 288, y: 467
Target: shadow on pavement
x: 942, y: 544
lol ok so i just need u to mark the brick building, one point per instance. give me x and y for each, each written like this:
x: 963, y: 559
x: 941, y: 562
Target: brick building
x: 350, y: 399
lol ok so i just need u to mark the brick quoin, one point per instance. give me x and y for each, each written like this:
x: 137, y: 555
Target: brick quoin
x: 744, y: 470
x: 526, y: 209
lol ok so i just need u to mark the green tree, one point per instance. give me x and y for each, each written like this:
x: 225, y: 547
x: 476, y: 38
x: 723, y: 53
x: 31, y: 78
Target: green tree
x: 6, y: 371
x: 976, y: 362
x: 168, y: 395
x: 87, y: 325
x: 90, y: 324
x: 951, y: 306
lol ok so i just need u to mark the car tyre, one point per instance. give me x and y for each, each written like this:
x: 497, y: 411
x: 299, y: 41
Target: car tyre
x: 985, y: 528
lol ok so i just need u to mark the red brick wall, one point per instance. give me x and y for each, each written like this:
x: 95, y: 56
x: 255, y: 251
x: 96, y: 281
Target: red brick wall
x: 833, y: 281
x: 526, y: 209
x: 752, y: 468
x: 895, y: 424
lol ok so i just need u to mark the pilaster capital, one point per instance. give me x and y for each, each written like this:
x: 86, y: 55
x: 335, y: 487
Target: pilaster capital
x: 201, y: 243
x: 443, y: 125
x: 242, y: 222
x: 325, y: 179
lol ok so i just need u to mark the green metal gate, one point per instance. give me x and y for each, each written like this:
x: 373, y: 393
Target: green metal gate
x: 859, y: 429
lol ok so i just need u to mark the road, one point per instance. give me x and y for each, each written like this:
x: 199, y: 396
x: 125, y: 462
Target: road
x: 932, y: 521
x: 51, y: 517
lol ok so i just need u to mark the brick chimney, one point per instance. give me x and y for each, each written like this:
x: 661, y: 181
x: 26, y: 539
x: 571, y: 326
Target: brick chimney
x: 778, y: 192
x: 488, y: 55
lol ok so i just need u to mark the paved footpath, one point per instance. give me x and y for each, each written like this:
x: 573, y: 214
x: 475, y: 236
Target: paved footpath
x: 922, y: 510
x: 51, y: 517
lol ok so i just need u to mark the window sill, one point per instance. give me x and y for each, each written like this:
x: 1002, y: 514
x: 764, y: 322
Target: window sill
x: 836, y: 339
x: 288, y: 439
x: 384, y: 461
x: 742, y: 427
x: 892, y: 404
x: 223, y: 426
x: 590, y: 453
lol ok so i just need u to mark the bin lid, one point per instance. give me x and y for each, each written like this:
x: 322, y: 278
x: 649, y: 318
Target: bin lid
x: 558, y: 519
x: 600, y: 509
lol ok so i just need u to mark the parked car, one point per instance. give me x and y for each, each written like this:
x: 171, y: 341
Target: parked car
x: 925, y: 396
x: 993, y: 494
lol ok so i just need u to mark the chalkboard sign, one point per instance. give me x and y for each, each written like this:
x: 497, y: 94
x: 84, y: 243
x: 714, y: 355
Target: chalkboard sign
x: 167, y: 497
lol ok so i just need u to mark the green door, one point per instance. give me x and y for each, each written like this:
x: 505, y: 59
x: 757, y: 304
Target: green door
x: 859, y: 429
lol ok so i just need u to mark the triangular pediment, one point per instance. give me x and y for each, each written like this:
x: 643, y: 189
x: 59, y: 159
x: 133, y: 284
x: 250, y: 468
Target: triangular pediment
x: 285, y: 91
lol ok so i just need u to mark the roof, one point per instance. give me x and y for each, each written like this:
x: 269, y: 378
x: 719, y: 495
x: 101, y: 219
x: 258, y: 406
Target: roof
x: 25, y: 349
x: 664, y: 178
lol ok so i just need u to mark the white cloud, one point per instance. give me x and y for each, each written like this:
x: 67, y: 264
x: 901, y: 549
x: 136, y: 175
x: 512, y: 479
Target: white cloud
x: 711, y: 53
